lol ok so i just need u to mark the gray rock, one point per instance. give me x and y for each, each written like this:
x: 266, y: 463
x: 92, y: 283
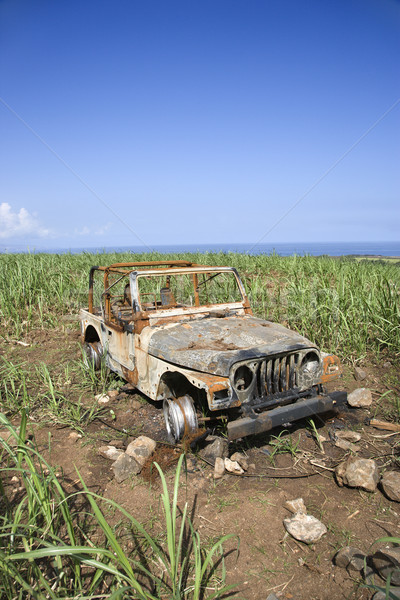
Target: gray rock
x: 346, y: 445
x: 348, y: 435
x: 358, y: 472
x: 305, y: 528
x: 110, y: 452
x: 241, y: 459
x: 393, y: 595
x: 296, y: 506
x: 387, y: 562
x: 350, y: 558
x: 219, y: 468
x: 7, y: 436
x: 387, y: 364
x: 272, y: 597
x: 233, y: 467
x: 217, y: 449
x: 390, y: 483
x: 360, y: 374
x: 360, y: 398
x: 124, y: 467
x: 141, y: 449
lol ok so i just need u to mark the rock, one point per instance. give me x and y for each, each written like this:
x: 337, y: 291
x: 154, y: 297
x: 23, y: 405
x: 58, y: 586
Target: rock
x: 7, y: 436
x: 14, y: 479
x: 360, y: 374
x: 266, y: 450
x: 390, y: 483
x: 394, y: 594
x: 112, y: 394
x: 118, y: 443
x: 296, y: 506
x: 360, y: 398
x: 272, y: 597
x: 387, y: 364
x: 217, y: 449
x: 110, y: 452
x: 124, y: 467
x: 305, y: 528
x: 141, y: 449
x: 358, y: 472
x: 387, y: 562
x: 252, y: 467
x: 74, y: 436
x: 102, y: 398
x: 346, y: 445
x: 135, y: 405
x: 348, y: 435
x: 233, y: 467
x: 219, y: 468
x: 350, y: 558
x: 241, y: 459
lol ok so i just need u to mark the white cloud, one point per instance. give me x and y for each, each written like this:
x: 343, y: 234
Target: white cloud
x: 98, y: 231
x: 17, y: 224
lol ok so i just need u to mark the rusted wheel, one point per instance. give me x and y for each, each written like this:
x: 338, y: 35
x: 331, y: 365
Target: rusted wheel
x: 92, y: 353
x: 180, y: 417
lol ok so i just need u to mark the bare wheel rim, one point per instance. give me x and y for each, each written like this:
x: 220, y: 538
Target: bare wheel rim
x: 92, y: 354
x: 180, y: 417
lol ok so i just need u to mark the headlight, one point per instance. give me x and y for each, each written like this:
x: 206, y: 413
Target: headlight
x: 310, y: 370
x: 243, y: 378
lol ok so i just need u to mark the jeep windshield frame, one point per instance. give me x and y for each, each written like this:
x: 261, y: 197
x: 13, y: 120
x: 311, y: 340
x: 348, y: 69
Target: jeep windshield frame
x: 157, y: 290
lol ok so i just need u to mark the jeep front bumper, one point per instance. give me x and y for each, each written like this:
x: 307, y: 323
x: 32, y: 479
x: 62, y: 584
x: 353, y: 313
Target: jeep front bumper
x: 269, y: 419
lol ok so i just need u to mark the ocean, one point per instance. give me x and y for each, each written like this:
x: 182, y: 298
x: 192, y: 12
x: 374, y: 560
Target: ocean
x: 283, y: 249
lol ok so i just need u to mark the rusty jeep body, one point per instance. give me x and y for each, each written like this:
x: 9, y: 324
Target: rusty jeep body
x: 184, y: 334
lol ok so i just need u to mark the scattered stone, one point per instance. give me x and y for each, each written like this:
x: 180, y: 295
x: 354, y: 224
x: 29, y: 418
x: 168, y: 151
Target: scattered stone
x: 217, y: 449
x: 110, y: 452
x: 360, y: 374
x: 241, y: 459
x: 272, y: 597
x: 102, y: 398
x: 135, y: 405
x: 141, y: 449
x: 219, y: 468
x: 113, y: 394
x: 358, y: 472
x: 349, y: 435
x: 74, y: 436
x: 8, y: 437
x: 350, y: 558
x: 390, y: 483
x: 14, y: 479
x: 305, y: 528
x: 266, y: 450
x: 118, y: 443
x: 233, y: 467
x: 387, y: 562
x: 387, y: 364
x: 346, y: 445
x: 360, y: 398
x: 124, y: 467
x: 296, y: 506
x: 394, y: 594
x: 252, y: 467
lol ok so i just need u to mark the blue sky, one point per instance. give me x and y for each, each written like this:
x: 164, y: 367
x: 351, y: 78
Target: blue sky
x: 198, y: 122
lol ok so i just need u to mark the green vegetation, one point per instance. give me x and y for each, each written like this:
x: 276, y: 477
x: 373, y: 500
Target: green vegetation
x: 345, y: 306
x: 59, y: 545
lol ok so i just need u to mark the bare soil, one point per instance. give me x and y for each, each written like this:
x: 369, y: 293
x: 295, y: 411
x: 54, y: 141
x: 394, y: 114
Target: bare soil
x: 266, y: 559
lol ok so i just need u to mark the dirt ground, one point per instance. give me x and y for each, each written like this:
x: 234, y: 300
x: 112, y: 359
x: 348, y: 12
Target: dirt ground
x: 252, y: 506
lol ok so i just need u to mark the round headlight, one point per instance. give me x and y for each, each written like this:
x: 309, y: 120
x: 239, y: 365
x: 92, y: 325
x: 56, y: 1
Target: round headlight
x: 310, y: 364
x: 243, y: 378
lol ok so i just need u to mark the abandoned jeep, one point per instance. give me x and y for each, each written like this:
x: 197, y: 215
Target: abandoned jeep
x: 184, y: 334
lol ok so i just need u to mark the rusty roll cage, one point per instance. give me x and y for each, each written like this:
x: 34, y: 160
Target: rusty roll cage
x: 127, y: 267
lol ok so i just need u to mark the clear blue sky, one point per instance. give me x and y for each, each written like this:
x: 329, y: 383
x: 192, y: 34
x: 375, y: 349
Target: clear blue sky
x: 198, y: 122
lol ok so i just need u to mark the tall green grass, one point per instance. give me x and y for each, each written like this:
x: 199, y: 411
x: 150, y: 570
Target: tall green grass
x: 345, y: 306
x: 58, y: 545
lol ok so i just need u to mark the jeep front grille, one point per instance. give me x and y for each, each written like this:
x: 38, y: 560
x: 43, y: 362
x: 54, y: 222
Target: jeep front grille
x: 278, y: 374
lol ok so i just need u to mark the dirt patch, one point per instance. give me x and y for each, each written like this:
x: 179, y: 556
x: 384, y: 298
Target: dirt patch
x: 286, y: 464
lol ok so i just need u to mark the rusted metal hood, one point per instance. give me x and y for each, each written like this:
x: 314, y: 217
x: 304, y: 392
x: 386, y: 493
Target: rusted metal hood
x: 213, y: 345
